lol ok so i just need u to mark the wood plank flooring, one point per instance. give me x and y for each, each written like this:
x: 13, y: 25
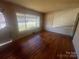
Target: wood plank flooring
x: 44, y: 45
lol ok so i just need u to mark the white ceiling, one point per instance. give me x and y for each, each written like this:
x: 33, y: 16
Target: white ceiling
x: 47, y: 5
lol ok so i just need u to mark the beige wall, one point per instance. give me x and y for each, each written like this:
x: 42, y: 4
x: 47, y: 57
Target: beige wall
x: 61, y: 21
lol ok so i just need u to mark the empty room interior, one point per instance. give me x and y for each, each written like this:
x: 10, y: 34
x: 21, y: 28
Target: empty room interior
x: 39, y: 29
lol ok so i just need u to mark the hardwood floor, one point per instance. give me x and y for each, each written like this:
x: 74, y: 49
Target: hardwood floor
x: 45, y: 45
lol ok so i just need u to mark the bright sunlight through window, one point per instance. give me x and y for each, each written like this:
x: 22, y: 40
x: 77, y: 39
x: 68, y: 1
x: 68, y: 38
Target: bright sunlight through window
x: 27, y: 21
x: 2, y: 21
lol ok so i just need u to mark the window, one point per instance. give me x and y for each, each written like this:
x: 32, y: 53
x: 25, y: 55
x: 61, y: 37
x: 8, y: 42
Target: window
x: 2, y: 21
x: 27, y: 21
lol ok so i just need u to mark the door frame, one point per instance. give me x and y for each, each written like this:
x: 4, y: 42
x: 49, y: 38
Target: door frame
x: 76, y: 24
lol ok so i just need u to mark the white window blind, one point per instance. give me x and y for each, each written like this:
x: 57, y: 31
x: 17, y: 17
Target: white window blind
x: 27, y: 21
